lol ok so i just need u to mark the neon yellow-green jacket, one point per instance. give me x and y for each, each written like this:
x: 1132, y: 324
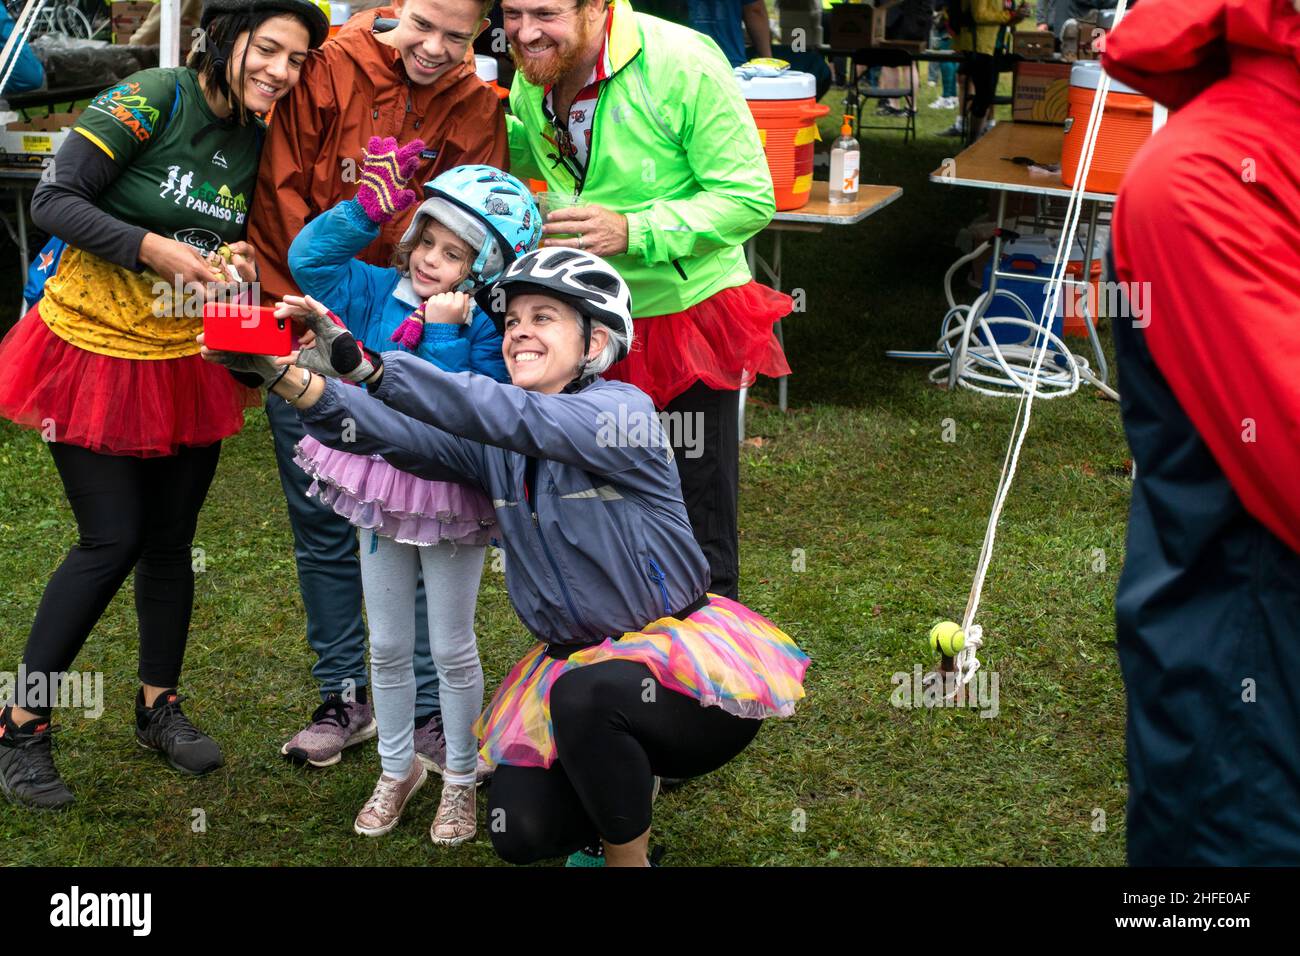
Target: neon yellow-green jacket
x: 674, y: 148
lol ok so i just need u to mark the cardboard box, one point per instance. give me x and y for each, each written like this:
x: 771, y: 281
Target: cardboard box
x: 32, y: 141
x: 127, y: 16
x: 1089, y: 34
x: 1035, y: 44
x: 1042, y: 93
x: 858, y: 25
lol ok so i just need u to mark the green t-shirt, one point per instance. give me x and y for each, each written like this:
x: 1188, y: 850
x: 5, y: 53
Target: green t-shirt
x: 185, y: 173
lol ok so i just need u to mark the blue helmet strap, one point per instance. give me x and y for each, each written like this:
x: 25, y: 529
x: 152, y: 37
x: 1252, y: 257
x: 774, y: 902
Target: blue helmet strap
x: 484, y: 250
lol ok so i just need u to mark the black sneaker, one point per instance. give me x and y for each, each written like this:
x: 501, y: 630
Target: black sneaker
x: 27, y: 773
x: 165, y: 728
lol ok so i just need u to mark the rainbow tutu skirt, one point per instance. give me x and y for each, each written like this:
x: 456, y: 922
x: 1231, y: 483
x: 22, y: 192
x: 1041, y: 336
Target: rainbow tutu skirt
x: 723, y: 655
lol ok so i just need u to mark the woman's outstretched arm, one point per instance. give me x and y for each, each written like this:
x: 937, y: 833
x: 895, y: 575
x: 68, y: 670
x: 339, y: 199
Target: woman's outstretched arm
x: 348, y: 419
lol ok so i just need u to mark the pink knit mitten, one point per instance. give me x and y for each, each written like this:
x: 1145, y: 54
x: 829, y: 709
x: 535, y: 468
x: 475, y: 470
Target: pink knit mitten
x: 387, y: 169
x: 409, y: 333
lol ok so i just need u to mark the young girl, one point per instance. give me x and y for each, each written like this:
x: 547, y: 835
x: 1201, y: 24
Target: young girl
x: 474, y: 222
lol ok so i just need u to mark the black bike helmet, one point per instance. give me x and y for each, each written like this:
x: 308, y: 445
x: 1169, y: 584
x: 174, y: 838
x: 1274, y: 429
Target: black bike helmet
x: 318, y: 25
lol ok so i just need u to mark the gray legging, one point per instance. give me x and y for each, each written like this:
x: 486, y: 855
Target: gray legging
x: 389, y: 571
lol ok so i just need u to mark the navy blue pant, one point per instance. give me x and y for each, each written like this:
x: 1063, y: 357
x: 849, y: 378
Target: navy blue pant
x: 1208, y: 615
x: 329, y: 577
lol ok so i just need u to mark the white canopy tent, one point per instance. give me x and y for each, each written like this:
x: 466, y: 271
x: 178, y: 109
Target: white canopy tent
x: 169, y: 53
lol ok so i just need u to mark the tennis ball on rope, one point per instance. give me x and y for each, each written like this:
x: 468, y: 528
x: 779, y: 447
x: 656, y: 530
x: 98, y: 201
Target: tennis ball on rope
x: 947, y: 638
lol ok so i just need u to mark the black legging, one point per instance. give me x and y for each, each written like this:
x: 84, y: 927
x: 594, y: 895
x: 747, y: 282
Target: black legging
x: 710, y: 476
x: 131, y: 513
x: 616, y: 728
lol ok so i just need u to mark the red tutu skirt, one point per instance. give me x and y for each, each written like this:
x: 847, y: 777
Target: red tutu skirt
x: 115, y: 406
x: 725, y: 342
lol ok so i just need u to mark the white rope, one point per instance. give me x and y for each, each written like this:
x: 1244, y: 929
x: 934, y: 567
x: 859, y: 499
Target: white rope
x: 966, y: 662
x: 13, y: 46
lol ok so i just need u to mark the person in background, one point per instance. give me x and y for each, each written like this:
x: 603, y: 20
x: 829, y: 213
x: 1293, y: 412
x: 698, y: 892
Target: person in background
x: 941, y: 39
x: 1207, y: 232
x: 981, y: 27
x: 408, y: 82
x: 1052, y: 14
x: 721, y: 20
x: 909, y: 20
x: 28, y: 73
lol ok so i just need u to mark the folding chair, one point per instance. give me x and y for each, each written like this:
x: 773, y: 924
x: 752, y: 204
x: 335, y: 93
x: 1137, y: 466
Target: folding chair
x: 861, y: 93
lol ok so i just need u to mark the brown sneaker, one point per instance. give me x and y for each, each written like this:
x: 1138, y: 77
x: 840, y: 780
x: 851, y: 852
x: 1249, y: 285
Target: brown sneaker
x: 456, y: 820
x: 384, y: 808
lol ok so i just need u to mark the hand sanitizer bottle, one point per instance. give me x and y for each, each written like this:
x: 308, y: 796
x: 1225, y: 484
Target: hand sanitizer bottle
x: 846, y: 158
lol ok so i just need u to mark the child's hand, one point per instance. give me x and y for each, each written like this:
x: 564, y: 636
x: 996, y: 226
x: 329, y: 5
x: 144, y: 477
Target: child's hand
x: 384, y: 175
x: 449, y: 307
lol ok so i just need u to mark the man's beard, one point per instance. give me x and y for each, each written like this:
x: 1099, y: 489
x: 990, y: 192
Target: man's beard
x: 560, y: 62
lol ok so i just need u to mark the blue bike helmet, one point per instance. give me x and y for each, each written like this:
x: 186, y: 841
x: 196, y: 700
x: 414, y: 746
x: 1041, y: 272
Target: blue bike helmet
x: 490, y: 210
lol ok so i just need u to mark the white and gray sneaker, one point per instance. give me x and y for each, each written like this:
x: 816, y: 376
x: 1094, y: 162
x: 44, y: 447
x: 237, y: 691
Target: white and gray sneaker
x: 335, y: 726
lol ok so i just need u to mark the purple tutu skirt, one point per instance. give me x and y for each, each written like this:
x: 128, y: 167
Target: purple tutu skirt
x: 372, y: 494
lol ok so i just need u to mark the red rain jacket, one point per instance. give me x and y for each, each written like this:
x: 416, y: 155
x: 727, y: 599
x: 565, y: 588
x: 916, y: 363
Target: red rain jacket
x: 1209, y: 216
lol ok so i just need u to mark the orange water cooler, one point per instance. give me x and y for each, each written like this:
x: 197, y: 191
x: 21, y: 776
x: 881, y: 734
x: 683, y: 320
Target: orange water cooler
x: 786, y: 111
x: 1125, y: 127
x: 488, y: 71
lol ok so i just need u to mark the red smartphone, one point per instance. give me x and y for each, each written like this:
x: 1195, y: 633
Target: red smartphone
x: 251, y: 329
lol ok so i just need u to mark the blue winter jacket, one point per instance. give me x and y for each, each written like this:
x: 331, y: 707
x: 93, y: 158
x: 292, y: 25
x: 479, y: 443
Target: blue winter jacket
x: 372, y: 301
x: 605, y: 545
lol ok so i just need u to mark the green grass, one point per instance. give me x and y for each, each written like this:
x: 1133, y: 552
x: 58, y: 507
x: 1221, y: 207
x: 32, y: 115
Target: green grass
x: 889, y: 518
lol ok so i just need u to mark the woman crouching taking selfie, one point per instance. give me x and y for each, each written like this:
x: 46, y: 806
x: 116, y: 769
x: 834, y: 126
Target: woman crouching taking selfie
x: 639, y: 673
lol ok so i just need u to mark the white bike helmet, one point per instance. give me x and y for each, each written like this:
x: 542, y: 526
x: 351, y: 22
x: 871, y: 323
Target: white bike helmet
x: 490, y: 210
x: 586, y: 282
